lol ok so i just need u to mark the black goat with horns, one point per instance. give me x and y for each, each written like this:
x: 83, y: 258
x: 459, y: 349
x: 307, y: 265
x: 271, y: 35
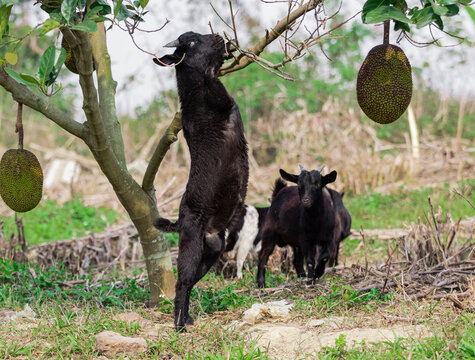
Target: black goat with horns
x: 219, y: 172
x: 303, y: 217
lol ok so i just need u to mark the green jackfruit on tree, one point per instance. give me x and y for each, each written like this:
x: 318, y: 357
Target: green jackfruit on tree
x: 21, y: 180
x: 70, y: 62
x: 384, y: 84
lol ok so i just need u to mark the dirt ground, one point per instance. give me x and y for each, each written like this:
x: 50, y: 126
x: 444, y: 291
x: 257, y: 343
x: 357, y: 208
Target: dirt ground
x: 282, y: 338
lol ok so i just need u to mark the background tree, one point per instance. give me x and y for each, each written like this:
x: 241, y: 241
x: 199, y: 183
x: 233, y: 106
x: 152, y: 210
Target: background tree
x: 83, y: 24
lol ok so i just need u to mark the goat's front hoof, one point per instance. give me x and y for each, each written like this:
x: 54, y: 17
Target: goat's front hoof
x: 189, y: 321
x: 310, y: 282
x: 180, y: 328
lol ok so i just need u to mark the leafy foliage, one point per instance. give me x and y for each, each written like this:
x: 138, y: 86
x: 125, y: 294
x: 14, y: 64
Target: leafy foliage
x: 431, y: 12
x: 72, y: 14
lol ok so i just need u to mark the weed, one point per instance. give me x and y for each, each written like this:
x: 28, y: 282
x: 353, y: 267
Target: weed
x: 21, y: 284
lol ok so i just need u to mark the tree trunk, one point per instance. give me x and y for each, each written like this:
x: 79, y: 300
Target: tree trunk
x: 157, y: 258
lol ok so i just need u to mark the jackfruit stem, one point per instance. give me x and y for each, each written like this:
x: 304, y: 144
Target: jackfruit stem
x: 386, y: 32
x: 19, y: 126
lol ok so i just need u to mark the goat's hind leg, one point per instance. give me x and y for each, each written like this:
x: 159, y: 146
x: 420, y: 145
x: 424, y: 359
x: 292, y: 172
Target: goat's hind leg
x: 268, y: 245
x: 190, y: 254
x: 213, y: 248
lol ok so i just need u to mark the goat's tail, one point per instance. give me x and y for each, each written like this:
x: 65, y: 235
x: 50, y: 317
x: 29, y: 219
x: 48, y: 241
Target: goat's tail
x: 279, y: 185
x: 166, y: 225
x: 342, y: 194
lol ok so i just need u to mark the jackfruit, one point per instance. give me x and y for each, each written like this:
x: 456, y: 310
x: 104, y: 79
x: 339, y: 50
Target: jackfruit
x: 21, y: 180
x: 70, y: 62
x: 384, y: 84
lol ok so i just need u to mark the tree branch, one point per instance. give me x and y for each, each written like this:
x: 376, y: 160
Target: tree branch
x: 81, y: 49
x: 123, y: 183
x: 242, y: 61
x: 168, y: 138
x: 41, y: 103
x: 107, y: 89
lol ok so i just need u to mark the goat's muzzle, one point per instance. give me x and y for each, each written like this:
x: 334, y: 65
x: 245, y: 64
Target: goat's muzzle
x: 306, y: 202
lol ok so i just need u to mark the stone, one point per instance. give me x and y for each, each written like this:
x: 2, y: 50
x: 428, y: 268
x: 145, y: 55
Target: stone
x: 273, y: 309
x: 110, y: 343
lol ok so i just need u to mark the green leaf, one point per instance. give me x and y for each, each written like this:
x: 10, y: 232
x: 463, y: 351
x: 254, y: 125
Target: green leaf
x: 4, y: 16
x: 11, y: 58
x: 105, y: 9
x: 423, y: 17
x: 82, y: 4
x: 61, y: 59
x: 88, y: 26
x: 17, y: 77
x: 143, y: 3
x: 371, y: 5
x: 49, y: 25
x: 398, y: 25
x: 30, y: 79
x: 68, y: 8
x: 100, y: 19
x: 453, y: 10
x: 47, y: 63
x: 438, y: 20
x: 384, y: 13
x: 465, y: 2
x: 90, y: 13
x: 440, y: 10
x: 117, y: 7
x: 471, y: 12
x: 56, y: 15
x: 448, y: 2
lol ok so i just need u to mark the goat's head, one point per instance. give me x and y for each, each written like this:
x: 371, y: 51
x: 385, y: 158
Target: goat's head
x: 310, y: 183
x: 204, y: 53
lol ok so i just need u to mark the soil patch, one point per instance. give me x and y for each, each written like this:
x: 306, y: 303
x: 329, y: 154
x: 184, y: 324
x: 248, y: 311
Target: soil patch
x: 288, y: 341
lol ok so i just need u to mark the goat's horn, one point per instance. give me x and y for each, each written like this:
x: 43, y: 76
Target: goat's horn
x: 173, y: 44
x: 301, y: 167
x: 320, y: 168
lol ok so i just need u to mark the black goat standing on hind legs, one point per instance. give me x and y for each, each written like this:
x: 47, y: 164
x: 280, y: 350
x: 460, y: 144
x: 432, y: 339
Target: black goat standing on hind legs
x: 219, y: 172
x: 303, y: 217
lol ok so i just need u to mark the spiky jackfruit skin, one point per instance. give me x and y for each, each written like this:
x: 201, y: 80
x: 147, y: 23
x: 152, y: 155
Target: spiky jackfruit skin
x: 21, y: 180
x: 384, y: 84
x: 69, y: 61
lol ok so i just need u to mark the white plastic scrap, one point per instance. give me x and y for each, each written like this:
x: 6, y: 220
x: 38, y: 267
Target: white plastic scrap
x: 273, y: 309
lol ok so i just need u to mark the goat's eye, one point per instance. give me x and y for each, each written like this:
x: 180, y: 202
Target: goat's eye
x: 192, y: 44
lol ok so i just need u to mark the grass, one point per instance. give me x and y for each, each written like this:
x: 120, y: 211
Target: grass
x: 69, y: 318
x: 50, y: 222
x: 21, y: 284
x: 374, y: 210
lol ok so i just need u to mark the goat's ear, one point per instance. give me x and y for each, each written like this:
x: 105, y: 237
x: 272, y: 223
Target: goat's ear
x: 167, y: 60
x: 329, y: 178
x: 289, y: 177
